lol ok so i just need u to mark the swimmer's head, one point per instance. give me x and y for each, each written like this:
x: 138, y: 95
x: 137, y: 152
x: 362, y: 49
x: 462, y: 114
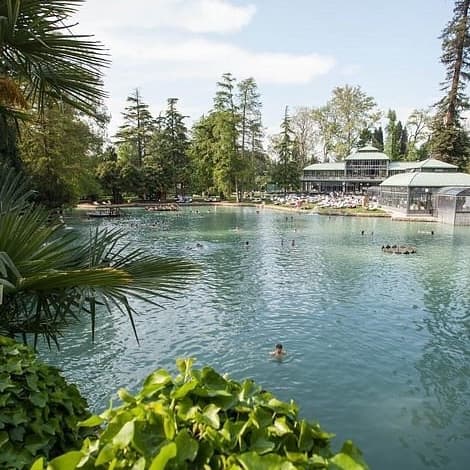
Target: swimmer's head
x: 279, y: 346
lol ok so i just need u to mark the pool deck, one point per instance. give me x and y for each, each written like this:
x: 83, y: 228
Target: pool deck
x: 394, y: 216
x: 399, y: 216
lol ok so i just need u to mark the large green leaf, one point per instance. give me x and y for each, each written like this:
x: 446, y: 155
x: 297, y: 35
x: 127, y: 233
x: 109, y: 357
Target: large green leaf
x: 187, y: 446
x: 176, y: 428
x: 350, y: 458
x: 251, y: 460
x: 66, y: 462
x: 166, y: 453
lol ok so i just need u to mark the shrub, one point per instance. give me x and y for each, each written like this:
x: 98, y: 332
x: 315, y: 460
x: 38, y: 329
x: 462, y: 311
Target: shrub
x: 201, y: 420
x: 39, y: 411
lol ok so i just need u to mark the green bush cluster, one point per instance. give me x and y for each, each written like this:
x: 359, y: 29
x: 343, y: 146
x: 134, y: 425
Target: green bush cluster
x: 202, y: 420
x: 39, y: 411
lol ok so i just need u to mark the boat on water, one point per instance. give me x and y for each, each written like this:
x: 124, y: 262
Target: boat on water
x: 105, y: 212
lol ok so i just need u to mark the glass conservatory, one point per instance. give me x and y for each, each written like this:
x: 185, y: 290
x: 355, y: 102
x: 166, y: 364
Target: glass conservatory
x: 414, y: 193
x: 453, y: 206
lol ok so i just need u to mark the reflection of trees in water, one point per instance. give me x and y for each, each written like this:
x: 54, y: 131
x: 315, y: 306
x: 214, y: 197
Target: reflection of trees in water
x: 444, y: 367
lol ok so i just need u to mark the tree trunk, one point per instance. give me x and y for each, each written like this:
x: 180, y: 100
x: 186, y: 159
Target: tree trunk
x: 236, y: 190
x: 460, y: 42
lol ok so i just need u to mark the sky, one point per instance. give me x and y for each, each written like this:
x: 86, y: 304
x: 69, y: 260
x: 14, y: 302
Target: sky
x: 298, y: 51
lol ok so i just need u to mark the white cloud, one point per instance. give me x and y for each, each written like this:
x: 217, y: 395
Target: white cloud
x: 200, y: 58
x: 196, y: 16
x: 166, y: 46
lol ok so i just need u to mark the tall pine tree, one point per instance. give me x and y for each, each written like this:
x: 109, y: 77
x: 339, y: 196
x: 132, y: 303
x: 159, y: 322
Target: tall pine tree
x: 136, y: 132
x: 170, y: 150
x: 201, y: 154
x: 226, y: 121
x: 286, y: 171
x: 251, y: 129
x: 449, y: 140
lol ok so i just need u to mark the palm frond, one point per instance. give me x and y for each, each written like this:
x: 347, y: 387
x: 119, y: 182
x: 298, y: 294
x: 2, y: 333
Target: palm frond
x: 50, y: 276
x: 39, y: 51
x: 14, y: 191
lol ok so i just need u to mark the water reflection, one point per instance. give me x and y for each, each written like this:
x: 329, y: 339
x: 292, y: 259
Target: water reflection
x: 444, y: 367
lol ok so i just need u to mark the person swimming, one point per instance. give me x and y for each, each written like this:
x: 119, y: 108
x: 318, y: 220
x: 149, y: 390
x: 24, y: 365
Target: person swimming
x: 279, y: 351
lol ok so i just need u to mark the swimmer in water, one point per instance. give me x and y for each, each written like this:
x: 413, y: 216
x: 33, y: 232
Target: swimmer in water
x: 279, y: 351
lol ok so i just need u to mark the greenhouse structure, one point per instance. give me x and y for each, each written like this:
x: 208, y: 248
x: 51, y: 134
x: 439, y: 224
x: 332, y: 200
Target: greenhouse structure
x: 415, y: 192
x: 453, y: 206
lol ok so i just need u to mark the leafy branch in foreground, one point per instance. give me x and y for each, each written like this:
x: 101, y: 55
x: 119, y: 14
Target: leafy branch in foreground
x: 202, y: 420
x: 41, y: 59
x: 50, y: 275
x: 40, y: 411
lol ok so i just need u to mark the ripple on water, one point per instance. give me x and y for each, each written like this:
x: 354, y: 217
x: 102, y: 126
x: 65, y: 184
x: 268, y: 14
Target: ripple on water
x: 378, y: 345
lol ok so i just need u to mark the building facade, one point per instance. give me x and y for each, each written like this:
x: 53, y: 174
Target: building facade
x: 363, y: 168
x: 415, y: 192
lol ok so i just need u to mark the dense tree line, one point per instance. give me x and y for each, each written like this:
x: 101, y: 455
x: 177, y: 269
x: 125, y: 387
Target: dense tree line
x: 56, y: 130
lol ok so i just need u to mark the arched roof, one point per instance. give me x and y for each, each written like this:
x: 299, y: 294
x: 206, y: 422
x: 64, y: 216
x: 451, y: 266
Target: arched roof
x: 454, y: 192
x: 428, y: 179
x: 367, y: 153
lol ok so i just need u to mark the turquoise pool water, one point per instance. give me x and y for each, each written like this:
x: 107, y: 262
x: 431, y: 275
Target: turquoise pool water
x: 378, y: 344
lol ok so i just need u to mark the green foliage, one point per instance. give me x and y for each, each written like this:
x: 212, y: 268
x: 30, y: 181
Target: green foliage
x: 449, y: 140
x: 450, y: 143
x: 202, y: 420
x: 136, y: 132
x: 286, y: 171
x: 108, y: 173
x: 8, y: 142
x: 226, y: 150
x: 58, y: 150
x: 378, y: 139
x: 342, y: 120
x: 250, y: 132
x: 39, y: 51
x: 351, y: 110
x: 168, y: 159
x: 50, y: 275
x: 201, y: 154
x: 39, y: 411
x: 227, y: 163
x: 456, y: 59
x: 418, y: 129
x: 305, y: 135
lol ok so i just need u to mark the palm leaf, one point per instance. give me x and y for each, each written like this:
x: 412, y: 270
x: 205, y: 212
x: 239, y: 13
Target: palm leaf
x: 50, y: 276
x: 14, y: 192
x: 39, y: 52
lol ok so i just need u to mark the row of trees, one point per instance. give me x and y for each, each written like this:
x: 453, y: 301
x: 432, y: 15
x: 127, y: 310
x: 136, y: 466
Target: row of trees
x: 155, y: 156
x: 62, y: 128
x: 150, y: 158
x: 349, y: 120
x: 66, y: 155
